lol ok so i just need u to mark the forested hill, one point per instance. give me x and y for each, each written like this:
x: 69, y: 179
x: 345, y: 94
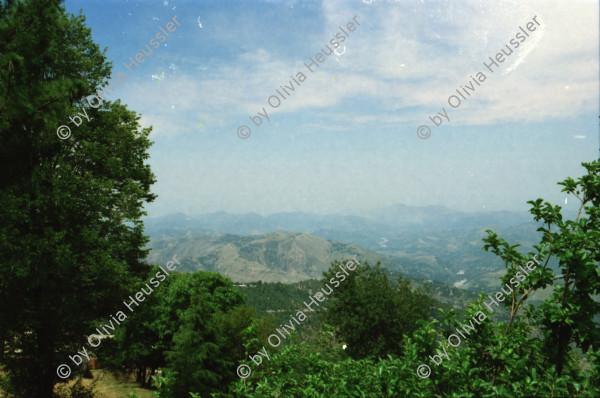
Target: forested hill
x: 281, y: 299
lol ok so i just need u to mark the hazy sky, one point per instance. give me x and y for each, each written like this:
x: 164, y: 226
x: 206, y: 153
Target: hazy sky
x: 346, y: 137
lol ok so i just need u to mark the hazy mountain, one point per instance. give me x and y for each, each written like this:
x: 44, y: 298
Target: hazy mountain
x: 390, y: 219
x: 431, y: 242
x: 436, y: 217
x: 275, y: 257
x: 288, y: 257
x: 254, y: 224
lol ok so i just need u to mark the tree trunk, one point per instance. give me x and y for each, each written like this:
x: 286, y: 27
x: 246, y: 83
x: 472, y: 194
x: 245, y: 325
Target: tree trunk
x: 138, y: 377
x: 44, y: 354
x: 152, y: 372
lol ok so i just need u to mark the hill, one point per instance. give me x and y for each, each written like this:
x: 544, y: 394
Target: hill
x: 275, y: 257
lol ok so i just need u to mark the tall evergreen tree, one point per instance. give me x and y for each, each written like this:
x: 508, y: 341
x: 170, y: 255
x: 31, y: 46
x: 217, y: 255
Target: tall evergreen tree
x: 199, y: 349
x: 70, y: 232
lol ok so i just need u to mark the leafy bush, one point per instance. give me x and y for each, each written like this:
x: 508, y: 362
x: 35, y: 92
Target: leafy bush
x: 77, y: 390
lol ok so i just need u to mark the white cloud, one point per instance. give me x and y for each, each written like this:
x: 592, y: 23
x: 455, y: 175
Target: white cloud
x: 405, y: 55
x: 443, y: 43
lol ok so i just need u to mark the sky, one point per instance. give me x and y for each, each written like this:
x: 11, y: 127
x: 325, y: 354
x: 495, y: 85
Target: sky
x: 348, y: 136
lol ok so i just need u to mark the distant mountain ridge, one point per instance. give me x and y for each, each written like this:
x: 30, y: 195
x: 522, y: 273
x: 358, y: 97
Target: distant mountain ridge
x: 389, y: 219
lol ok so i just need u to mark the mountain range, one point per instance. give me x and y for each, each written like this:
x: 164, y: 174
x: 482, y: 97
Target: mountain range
x: 430, y: 243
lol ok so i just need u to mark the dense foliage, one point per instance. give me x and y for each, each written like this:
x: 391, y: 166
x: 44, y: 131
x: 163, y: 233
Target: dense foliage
x: 278, y: 298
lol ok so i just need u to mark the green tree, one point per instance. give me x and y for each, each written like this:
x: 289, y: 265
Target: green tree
x: 372, y: 314
x: 199, y: 349
x: 243, y: 330
x: 140, y: 343
x: 192, y: 325
x: 71, y: 241
x: 569, y: 317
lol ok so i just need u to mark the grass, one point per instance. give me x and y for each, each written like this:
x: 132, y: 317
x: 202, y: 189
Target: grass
x: 108, y: 386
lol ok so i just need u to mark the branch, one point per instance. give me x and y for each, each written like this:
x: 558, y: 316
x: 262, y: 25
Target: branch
x: 580, y: 207
x: 512, y: 315
x: 10, y: 73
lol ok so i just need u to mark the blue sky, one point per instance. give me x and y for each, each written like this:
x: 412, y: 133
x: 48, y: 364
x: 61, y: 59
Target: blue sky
x: 346, y: 138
